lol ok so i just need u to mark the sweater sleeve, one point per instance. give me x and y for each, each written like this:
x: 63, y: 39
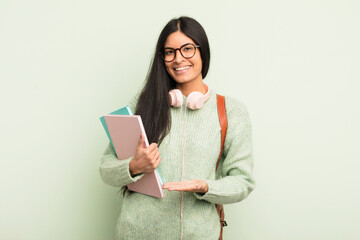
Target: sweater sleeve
x: 237, y: 181
x: 113, y: 171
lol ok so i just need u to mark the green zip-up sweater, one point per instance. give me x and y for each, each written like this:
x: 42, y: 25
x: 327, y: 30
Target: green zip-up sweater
x: 145, y: 217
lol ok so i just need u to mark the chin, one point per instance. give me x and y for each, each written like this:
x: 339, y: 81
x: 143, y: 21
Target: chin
x: 181, y: 80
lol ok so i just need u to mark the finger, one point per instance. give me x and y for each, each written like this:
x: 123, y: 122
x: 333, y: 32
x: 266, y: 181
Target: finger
x: 156, y: 163
x: 152, y: 154
x: 186, y: 188
x: 156, y: 157
x: 153, y: 160
x: 141, y: 141
x: 151, y: 148
x: 158, y: 160
x: 170, y: 184
x: 190, y: 186
x: 185, y: 185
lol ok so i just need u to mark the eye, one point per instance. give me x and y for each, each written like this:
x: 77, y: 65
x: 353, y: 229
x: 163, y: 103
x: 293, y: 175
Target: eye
x: 168, y: 52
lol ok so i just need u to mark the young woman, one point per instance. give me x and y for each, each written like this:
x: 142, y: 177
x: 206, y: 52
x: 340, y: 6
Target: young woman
x: 180, y: 116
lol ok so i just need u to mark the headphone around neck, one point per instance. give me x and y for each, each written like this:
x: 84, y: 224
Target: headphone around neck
x: 195, y: 100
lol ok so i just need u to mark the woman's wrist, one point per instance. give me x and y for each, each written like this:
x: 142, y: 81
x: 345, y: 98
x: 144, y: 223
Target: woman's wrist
x: 206, y: 188
x: 132, y: 168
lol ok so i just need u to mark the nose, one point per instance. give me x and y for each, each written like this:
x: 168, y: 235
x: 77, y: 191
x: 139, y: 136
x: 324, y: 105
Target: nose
x: 178, y: 57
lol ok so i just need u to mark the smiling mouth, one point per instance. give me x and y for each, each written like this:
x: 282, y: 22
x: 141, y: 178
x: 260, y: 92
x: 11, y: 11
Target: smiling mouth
x: 181, y: 68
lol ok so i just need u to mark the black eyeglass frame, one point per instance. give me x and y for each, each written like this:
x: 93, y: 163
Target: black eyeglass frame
x: 195, y: 46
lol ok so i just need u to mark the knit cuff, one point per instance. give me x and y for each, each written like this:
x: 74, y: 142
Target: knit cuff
x: 125, y: 172
x: 214, y: 190
x: 116, y: 172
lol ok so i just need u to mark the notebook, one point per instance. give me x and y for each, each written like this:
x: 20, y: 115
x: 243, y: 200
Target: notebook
x: 125, y: 131
x: 122, y: 111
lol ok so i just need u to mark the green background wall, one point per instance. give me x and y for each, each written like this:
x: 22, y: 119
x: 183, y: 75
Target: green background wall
x: 295, y: 64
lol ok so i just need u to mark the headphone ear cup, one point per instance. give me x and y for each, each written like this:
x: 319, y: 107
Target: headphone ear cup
x: 175, y: 98
x: 195, y: 100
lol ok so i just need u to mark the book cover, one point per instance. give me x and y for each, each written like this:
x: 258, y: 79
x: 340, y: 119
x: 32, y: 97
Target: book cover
x: 125, y: 131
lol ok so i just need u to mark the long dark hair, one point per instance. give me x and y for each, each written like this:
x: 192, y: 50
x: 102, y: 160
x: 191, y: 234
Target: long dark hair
x: 153, y: 103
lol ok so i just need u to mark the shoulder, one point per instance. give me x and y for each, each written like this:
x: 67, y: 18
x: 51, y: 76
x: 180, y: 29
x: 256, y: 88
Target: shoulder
x: 236, y: 110
x: 237, y: 115
x: 235, y: 107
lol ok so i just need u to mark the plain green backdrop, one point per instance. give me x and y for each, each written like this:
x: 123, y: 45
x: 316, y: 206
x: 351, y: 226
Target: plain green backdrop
x: 295, y: 64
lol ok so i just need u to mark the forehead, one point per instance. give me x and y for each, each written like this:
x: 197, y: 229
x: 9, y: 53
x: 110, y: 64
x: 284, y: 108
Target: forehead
x: 177, y: 39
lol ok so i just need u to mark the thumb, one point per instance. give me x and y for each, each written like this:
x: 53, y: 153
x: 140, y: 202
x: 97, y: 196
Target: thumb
x: 141, y: 141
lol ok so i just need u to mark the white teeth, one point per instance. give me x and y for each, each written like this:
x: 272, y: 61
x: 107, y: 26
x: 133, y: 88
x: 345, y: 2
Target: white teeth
x: 182, y: 68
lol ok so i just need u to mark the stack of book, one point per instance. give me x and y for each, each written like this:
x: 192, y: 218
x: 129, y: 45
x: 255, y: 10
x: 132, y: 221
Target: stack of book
x: 123, y: 130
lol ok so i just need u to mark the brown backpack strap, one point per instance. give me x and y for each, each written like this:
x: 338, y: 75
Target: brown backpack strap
x: 223, y: 124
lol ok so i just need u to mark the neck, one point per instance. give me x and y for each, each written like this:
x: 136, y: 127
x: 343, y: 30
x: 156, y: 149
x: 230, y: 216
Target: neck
x: 187, y: 88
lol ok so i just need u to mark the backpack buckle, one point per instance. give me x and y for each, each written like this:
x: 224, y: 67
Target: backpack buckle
x: 223, y: 223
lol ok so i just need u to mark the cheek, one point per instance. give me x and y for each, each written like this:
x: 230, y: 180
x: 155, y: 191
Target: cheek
x: 168, y: 68
x: 199, y: 65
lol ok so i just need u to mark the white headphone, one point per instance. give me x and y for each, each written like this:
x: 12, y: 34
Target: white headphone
x: 194, y: 101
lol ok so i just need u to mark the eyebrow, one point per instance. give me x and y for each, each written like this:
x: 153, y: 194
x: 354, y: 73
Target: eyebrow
x: 181, y: 45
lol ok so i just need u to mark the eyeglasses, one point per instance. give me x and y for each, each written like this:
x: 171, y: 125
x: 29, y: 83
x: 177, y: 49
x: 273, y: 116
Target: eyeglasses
x: 187, y: 50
